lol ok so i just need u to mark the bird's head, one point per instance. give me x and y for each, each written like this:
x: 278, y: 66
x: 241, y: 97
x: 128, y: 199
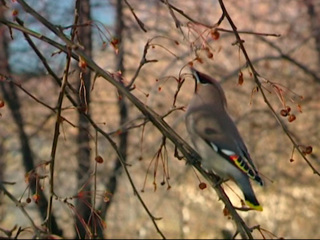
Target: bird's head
x: 208, y: 87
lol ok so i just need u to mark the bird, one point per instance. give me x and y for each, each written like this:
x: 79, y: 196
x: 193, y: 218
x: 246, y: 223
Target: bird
x: 216, y: 138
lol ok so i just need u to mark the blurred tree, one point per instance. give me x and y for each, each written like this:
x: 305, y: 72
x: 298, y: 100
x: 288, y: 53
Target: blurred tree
x: 84, y: 34
x: 9, y: 91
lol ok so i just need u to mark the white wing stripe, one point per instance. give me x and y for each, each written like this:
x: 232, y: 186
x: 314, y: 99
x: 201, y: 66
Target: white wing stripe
x: 227, y: 152
x: 215, y: 148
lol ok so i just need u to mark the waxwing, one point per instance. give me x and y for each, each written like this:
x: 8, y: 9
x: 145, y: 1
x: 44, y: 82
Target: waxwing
x: 217, y: 139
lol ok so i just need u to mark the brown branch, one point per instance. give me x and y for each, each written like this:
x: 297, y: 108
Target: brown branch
x: 55, y: 137
x: 37, y: 35
x: 177, y: 22
x: 256, y: 78
x: 250, y: 32
x: 9, y: 80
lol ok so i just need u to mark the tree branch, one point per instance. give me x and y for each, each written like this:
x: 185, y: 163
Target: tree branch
x: 257, y: 81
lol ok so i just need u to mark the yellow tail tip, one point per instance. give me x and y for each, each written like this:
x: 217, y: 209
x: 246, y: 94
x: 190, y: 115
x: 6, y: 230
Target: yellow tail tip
x: 255, y: 207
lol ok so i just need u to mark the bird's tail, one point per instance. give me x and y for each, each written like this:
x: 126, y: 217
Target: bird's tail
x: 252, y: 201
x: 249, y: 196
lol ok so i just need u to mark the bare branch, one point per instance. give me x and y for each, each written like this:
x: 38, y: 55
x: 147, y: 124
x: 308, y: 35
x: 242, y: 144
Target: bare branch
x: 143, y: 61
x: 21, y: 207
x: 140, y: 23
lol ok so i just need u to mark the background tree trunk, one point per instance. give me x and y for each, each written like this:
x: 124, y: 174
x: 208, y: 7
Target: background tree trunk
x: 314, y: 14
x: 83, y: 139
x: 12, y: 99
x: 112, y: 181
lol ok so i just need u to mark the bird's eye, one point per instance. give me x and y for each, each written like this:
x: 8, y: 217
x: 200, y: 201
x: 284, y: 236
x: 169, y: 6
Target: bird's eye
x: 204, y: 80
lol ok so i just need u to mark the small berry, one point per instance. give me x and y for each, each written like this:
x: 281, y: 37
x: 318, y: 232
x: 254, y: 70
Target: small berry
x: 202, y: 185
x: 99, y: 159
x: 115, y: 41
x: 299, y: 108
x: 15, y: 12
x: 240, y: 79
x: 288, y: 109
x: 80, y: 194
x: 82, y: 63
x: 291, y: 160
x: 210, y: 55
x: 308, y: 150
x: 1, y: 103
x: 215, y: 35
x: 36, y: 198
x: 284, y: 112
x: 226, y: 212
x: 291, y: 118
x: 199, y: 60
x: 28, y: 200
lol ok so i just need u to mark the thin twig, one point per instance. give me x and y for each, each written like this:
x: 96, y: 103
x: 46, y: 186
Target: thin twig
x: 250, y: 32
x: 21, y: 207
x: 26, y: 91
x: 177, y: 22
x: 55, y: 139
x: 57, y: 125
x: 140, y: 23
x: 181, y: 12
x: 36, y: 35
x: 143, y: 61
x: 172, y: 7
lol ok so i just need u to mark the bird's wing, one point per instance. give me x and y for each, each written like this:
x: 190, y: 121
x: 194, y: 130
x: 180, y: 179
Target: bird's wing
x: 237, y: 160
x: 233, y: 150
